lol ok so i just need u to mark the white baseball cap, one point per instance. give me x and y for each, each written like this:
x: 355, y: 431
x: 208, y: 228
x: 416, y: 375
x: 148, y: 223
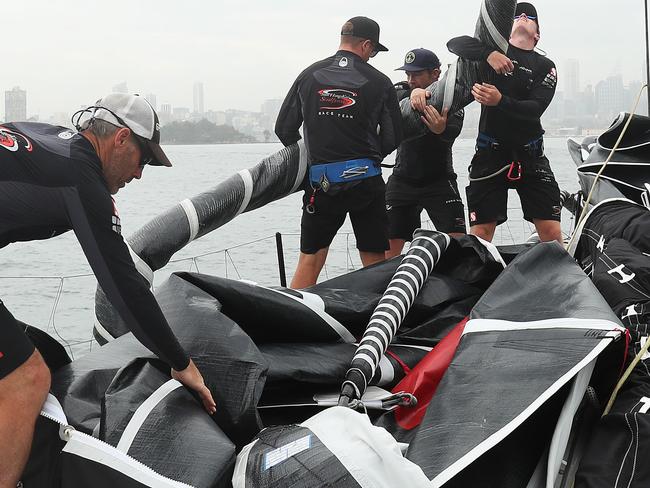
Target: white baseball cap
x: 135, y: 113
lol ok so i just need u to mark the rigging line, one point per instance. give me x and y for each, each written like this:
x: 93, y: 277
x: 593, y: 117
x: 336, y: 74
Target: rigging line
x: 233, y: 264
x: 585, y: 208
x: 50, y: 277
x: 625, y: 376
x: 51, y: 321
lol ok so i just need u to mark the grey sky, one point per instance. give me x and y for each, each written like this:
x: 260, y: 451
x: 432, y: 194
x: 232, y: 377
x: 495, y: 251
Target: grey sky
x: 69, y: 52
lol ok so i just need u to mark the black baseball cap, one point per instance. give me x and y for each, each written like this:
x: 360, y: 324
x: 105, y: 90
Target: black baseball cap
x: 364, y: 28
x: 528, y: 9
x: 420, y: 59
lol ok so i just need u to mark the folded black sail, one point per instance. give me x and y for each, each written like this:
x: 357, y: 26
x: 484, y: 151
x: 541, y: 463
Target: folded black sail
x: 538, y: 328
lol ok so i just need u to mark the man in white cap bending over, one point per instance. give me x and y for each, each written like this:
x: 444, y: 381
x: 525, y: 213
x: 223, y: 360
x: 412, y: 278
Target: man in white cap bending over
x: 53, y: 180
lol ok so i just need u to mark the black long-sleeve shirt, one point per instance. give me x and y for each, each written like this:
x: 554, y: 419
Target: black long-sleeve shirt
x: 51, y: 181
x: 348, y: 110
x: 526, y: 93
x: 427, y: 159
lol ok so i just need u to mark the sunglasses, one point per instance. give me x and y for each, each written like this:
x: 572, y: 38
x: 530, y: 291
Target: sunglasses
x: 145, y: 155
x: 529, y: 17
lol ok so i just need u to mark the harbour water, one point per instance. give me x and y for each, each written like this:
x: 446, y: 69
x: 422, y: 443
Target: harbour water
x: 49, y: 284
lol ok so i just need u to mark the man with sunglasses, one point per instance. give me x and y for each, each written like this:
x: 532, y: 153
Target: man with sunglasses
x: 52, y: 180
x: 351, y: 122
x: 510, y: 145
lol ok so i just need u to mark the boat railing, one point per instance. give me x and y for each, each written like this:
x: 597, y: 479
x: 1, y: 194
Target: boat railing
x: 66, y: 301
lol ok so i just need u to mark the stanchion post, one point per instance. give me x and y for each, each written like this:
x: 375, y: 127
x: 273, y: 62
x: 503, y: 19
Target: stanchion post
x: 280, y: 251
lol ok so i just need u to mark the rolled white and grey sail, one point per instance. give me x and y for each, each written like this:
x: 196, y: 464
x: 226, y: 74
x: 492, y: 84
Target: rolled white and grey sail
x: 425, y: 252
x: 276, y: 176
x: 453, y: 90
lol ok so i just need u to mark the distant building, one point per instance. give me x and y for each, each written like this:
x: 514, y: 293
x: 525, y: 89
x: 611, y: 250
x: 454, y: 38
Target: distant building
x: 610, y: 97
x: 16, y: 105
x: 121, y: 88
x: 165, y: 113
x: 216, y: 117
x: 571, y: 77
x: 632, y: 93
x: 199, y: 107
x: 270, y: 110
x: 180, y: 113
x: 151, y: 98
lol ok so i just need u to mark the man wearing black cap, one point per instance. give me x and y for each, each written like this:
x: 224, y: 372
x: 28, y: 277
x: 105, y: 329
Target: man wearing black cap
x: 351, y: 121
x: 53, y: 180
x: 424, y: 176
x: 510, y: 145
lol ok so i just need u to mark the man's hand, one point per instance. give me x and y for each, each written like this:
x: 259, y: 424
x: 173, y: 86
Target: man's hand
x: 191, y: 377
x: 433, y: 120
x: 419, y: 99
x: 486, y: 94
x: 500, y: 63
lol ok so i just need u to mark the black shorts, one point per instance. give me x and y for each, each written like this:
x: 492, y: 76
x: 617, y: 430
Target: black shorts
x: 487, y: 200
x: 404, y: 204
x: 15, y: 347
x: 365, y: 202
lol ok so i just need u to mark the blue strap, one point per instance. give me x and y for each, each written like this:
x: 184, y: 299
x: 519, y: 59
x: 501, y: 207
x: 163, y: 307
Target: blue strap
x: 344, y: 171
x: 483, y: 141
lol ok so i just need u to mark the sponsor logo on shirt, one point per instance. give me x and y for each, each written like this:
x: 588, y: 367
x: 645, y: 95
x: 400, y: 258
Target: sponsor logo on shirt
x: 12, y: 140
x: 116, y: 223
x: 550, y: 80
x: 472, y: 216
x: 343, y: 62
x: 66, y: 134
x: 336, y: 99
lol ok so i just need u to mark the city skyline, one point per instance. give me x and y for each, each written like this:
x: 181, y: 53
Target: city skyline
x: 71, y: 53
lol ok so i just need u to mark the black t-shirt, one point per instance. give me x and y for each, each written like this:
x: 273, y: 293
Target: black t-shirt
x: 349, y: 110
x: 526, y: 93
x: 427, y: 159
x: 51, y: 181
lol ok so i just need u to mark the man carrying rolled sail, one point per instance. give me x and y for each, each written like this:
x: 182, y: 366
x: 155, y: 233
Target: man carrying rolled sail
x: 510, y: 145
x: 351, y: 122
x: 424, y: 176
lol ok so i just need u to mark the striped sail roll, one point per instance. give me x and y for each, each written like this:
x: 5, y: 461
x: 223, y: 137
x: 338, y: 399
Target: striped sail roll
x: 454, y: 89
x: 151, y: 247
x: 425, y: 252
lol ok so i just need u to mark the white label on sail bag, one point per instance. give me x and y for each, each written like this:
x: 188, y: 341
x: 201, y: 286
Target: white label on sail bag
x: 276, y: 456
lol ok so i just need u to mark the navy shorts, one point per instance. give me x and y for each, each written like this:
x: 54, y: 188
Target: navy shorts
x: 15, y: 347
x: 365, y: 202
x: 487, y: 200
x: 405, y: 202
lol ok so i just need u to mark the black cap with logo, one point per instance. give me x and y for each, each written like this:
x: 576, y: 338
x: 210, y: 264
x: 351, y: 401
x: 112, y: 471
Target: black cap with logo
x: 419, y: 60
x: 364, y: 28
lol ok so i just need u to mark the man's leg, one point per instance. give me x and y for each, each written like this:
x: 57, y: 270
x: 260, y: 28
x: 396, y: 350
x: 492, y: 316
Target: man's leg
x: 369, y: 220
x: 368, y: 258
x: 317, y: 230
x: 540, y: 200
x: 402, y: 222
x: 403, y: 215
x: 445, y: 208
x: 396, y: 246
x: 22, y: 394
x: 484, y: 231
x: 308, y: 269
x: 487, y: 199
x: 548, y: 230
